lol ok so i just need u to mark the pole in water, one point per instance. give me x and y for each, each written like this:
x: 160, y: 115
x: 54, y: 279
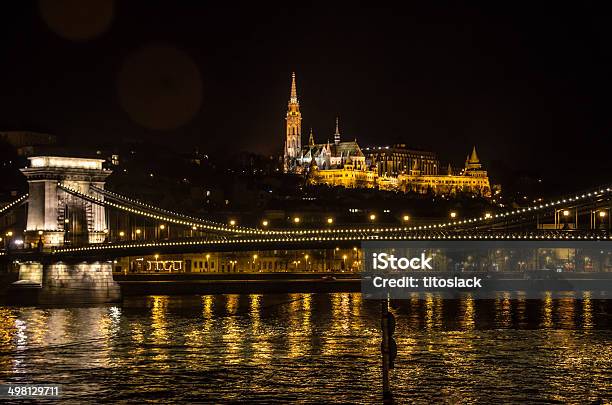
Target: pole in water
x: 386, y: 352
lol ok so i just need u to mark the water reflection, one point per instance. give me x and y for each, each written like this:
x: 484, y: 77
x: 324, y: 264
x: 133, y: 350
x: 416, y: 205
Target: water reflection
x: 503, y: 311
x: 315, y: 347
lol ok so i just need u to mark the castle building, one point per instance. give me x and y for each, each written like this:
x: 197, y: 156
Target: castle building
x: 397, y: 159
x: 343, y: 163
x: 471, y: 179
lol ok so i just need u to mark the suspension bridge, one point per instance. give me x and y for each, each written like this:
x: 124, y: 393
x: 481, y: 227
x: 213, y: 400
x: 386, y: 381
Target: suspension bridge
x: 71, y: 214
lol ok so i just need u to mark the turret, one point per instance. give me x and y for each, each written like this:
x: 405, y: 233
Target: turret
x: 337, y: 133
x: 472, y: 162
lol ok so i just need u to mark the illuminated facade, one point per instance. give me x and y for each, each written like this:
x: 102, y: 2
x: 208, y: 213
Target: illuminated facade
x: 293, y: 141
x: 471, y: 179
x: 397, y: 159
x: 56, y: 217
x: 336, y: 163
x: 311, y: 260
x: 397, y: 168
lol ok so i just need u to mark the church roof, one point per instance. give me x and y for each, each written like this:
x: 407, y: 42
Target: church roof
x: 346, y: 148
x: 336, y: 150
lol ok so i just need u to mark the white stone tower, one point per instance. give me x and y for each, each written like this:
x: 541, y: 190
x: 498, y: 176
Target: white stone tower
x: 53, y: 214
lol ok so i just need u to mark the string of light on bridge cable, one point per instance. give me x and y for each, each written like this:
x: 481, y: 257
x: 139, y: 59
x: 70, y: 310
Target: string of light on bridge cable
x: 13, y: 203
x: 206, y: 224
x: 550, y: 236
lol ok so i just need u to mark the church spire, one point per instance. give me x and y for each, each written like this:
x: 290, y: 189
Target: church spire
x: 474, y: 156
x: 311, y: 141
x: 473, y: 162
x: 293, y: 99
x: 337, y: 133
x: 293, y: 135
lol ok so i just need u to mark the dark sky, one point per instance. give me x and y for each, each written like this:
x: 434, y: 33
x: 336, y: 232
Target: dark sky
x: 528, y: 84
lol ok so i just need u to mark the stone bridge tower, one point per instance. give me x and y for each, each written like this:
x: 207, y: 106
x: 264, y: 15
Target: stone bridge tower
x: 59, y: 218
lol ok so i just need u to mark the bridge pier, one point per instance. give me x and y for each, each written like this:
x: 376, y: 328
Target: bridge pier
x: 65, y: 284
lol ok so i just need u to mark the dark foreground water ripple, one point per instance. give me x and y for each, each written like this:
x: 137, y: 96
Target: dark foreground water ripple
x: 313, y: 348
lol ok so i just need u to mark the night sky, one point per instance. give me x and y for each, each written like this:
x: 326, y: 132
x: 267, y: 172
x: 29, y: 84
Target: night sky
x: 529, y: 85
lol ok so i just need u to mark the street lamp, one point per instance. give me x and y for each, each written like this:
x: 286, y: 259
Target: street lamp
x: 565, y: 214
x: 372, y: 217
x: 406, y: 218
x: 296, y: 220
x: 264, y: 222
x: 232, y: 222
x: 602, y: 219
x: 453, y: 214
x: 330, y: 220
x: 487, y: 215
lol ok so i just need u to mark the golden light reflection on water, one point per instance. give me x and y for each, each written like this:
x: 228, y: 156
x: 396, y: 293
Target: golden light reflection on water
x: 261, y: 348
x: 434, y: 311
x: 8, y: 331
x: 339, y: 323
x: 565, y: 312
x: 7, y: 327
x: 232, y: 337
x: 297, y: 341
x: 587, y: 311
x: 207, y: 312
x: 521, y: 310
x: 306, y: 309
x: 331, y: 339
x: 467, y: 321
x: 255, y: 312
x: 503, y: 311
x: 415, y: 318
x: 356, y: 304
x: 159, y: 326
x: 138, y: 337
x: 429, y: 312
x: 547, y: 311
x: 158, y: 319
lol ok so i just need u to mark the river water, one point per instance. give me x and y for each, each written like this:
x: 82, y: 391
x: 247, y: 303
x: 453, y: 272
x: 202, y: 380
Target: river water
x: 313, y: 348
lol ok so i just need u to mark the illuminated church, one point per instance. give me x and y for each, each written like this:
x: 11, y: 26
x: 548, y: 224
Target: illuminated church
x: 342, y: 163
